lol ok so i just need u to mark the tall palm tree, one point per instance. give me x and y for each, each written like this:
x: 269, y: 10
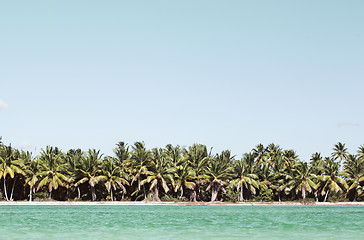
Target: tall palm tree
x: 10, y: 165
x: 329, y: 181
x: 340, y: 152
x: 245, y: 176
x: 90, y: 171
x: 52, y: 171
x: 115, y: 177
x: 159, y: 173
x: 218, y: 172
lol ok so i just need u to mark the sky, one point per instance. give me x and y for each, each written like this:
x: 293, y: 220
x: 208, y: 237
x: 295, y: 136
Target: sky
x: 227, y: 74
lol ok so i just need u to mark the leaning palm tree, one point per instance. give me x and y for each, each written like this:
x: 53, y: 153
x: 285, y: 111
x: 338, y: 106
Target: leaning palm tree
x: 329, y: 181
x: 218, y: 172
x: 51, y: 170
x: 10, y: 165
x: 90, y: 171
x: 115, y: 177
x: 245, y: 176
x: 159, y: 173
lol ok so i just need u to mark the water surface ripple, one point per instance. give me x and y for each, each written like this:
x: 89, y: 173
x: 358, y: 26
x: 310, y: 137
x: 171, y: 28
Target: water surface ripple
x: 182, y: 222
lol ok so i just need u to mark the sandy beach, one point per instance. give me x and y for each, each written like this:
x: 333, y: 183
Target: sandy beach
x: 129, y: 203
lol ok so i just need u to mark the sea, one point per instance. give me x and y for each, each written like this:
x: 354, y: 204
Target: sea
x: 182, y: 222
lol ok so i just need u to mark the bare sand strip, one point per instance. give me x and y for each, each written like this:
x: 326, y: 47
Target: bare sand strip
x: 127, y: 203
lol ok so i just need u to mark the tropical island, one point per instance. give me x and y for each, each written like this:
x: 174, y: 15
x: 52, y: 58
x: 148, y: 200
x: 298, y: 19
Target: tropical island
x: 180, y: 174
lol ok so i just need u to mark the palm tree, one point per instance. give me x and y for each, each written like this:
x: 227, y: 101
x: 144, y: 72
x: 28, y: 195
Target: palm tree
x: 317, y: 163
x: 197, y: 158
x: 280, y: 173
x: 330, y: 181
x: 74, y: 157
x: 174, y: 154
x: 245, y: 176
x: 122, y: 154
x: 90, y: 171
x: 11, y: 165
x: 340, y: 152
x: 160, y: 171
x: 184, y: 179
x: 289, y: 157
x: 115, y: 177
x: 260, y: 154
x: 51, y: 170
x: 317, y: 168
x: 218, y: 171
x: 31, y: 173
x: 274, y: 155
x: 354, y: 172
x: 140, y: 159
x: 302, y: 179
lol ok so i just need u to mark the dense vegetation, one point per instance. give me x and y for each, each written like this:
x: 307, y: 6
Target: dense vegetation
x: 175, y: 173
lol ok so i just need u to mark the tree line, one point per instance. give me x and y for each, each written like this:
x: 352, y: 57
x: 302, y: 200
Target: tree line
x: 175, y: 173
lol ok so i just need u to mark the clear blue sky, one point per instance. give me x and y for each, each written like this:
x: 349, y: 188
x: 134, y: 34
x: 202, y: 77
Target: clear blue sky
x: 228, y: 74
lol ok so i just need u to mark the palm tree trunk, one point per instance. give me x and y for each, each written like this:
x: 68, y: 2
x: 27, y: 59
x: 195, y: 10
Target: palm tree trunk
x: 50, y: 194
x: 327, y: 193
x: 241, y: 195
x: 193, y: 196
x: 111, y: 195
x: 316, y: 198
x: 145, y: 194
x: 304, y: 193
x: 156, y: 194
x: 30, y: 194
x: 180, y: 197
x: 78, y: 193
x: 215, y: 191
x: 93, y: 194
x: 12, y: 191
x: 6, y: 192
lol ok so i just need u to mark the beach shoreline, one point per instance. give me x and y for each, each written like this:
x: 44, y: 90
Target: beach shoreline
x: 130, y: 203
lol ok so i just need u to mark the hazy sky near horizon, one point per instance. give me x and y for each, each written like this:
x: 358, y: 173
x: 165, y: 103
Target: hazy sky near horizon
x: 228, y: 74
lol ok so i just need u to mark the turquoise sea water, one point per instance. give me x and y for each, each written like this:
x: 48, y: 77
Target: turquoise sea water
x: 182, y: 222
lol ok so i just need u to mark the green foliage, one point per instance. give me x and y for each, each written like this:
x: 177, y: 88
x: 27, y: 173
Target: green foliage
x: 265, y: 194
x: 177, y: 173
x: 230, y: 195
